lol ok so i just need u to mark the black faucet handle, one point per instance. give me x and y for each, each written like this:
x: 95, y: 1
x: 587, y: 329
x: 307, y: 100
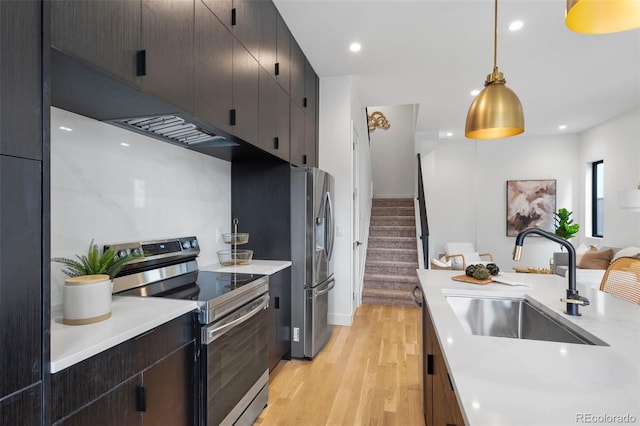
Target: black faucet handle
x: 576, y: 299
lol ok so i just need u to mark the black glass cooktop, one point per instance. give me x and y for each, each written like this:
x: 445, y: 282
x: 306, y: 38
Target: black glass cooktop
x: 201, y: 286
x: 210, y: 285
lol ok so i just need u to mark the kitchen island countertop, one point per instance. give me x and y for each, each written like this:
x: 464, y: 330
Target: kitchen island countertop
x: 505, y: 381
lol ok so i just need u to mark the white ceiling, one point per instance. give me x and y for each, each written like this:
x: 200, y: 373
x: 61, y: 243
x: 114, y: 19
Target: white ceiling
x: 434, y: 52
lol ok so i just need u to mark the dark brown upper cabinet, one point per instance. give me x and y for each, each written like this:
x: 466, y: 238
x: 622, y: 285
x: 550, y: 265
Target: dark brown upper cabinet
x: 298, y: 149
x: 227, y: 79
x: 268, y: 37
x: 166, y: 65
x: 283, y: 55
x: 222, y: 9
x: 310, y: 106
x: 274, y: 117
x: 275, y: 45
x: 244, y: 113
x: 103, y: 33
x: 213, y: 69
x: 304, y: 95
x: 245, y: 24
x: 297, y: 73
x: 200, y: 57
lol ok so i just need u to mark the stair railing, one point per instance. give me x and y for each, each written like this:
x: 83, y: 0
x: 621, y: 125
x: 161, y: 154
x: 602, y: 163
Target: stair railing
x: 424, y: 222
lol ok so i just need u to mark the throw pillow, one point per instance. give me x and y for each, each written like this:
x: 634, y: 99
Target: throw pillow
x: 596, y: 259
x: 580, y: 250
x: 627, y: 252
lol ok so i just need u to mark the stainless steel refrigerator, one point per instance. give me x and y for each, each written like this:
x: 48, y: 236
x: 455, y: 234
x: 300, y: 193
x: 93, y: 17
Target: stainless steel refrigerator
x: 312, y: 242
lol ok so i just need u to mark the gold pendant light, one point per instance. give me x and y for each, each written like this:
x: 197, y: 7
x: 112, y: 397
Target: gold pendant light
x: 602, y: 16
x: 496, y: 112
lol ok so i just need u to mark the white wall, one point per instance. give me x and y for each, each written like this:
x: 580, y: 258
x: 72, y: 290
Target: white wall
x: 465, y: 184
x: 341, y: 113
x: 393, y: 160
x: 466, y: 191
x: 335, y: 157
x: 617, y: 142
x: 110, y: 193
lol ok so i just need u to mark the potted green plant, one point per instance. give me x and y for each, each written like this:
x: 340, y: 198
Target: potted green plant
x: 87, y: 291
x: 94, y: 263
x: 565, y: 228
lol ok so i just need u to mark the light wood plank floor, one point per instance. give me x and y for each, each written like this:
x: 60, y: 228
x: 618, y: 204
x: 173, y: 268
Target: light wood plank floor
x: 367, y: 374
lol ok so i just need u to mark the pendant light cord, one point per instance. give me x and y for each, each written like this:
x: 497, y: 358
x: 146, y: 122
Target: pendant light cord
x: 495, y: 37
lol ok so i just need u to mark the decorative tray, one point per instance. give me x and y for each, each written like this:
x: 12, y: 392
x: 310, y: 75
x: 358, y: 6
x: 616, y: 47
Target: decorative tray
x: 467, y: 279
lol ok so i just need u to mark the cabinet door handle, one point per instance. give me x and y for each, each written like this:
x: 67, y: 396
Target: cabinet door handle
x: 430, y: 364
x: 232, y: 117
x: 304, y: 102
x: 276, y: 303
x: 141, y: 62
x: 141, y: 398
x: 233, y: 16
x: 304, y: 159
x: 277, y: 70
x: 276, y: 143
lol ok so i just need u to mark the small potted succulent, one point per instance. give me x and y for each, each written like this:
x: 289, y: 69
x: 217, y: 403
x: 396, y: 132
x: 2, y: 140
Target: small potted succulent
x: 87, y: 291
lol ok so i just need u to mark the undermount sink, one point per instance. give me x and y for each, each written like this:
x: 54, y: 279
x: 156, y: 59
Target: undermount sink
x: 517, y: 318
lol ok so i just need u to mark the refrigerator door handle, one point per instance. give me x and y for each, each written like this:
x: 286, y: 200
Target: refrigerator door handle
x: 330, y: 285
x: 330, y: 229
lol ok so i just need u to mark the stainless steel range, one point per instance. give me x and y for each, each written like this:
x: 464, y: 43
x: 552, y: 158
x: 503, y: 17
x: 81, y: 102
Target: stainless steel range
x: 232, y: 311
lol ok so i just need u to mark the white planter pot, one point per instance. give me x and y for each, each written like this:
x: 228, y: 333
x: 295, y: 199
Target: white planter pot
x: 87, y: 299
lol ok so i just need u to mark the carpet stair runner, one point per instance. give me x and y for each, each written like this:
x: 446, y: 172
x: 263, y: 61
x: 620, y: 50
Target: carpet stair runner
x: 392, y: 255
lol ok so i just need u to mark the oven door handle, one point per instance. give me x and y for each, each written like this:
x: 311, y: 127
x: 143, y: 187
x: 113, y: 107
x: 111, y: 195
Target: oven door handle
x: 212, y: 333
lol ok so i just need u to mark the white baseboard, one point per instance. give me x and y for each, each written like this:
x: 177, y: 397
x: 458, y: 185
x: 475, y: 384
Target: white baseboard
x: 340, y: 319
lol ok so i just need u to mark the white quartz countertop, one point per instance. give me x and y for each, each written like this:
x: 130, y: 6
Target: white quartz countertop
x: 130, y: 317
x: 263, y: 267
x: 504, y: 381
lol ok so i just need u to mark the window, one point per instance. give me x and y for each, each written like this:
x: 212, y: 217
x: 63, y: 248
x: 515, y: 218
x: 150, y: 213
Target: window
x: 597, y: 198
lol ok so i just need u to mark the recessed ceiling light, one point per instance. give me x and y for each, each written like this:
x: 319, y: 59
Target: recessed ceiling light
x: 66, y: 129
x: 449, y: 134
x: 124, y: 144
x: 516, y: 25
x: 475, y: 92
x: 355, y: 47
x: 562, y: 126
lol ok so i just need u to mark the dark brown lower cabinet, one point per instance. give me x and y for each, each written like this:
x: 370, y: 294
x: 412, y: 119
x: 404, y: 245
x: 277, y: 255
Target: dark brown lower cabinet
x: 150, y: 379
x: 117, y: 407
x: 22, y: 408
x: 440, y: 403
x: 279, y: 344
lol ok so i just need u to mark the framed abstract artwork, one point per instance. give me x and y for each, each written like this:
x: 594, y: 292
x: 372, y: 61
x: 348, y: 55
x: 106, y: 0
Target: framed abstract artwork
x: 530, y: 203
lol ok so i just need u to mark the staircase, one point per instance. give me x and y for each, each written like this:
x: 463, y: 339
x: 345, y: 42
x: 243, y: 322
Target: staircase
x: 392, y: 255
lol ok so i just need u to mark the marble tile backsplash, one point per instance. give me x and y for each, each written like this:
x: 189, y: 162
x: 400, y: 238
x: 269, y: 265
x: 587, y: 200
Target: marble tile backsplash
x: 113, y: 186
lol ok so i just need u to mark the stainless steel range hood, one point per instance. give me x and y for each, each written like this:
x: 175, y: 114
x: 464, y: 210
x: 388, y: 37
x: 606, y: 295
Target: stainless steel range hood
x: 173, y: 129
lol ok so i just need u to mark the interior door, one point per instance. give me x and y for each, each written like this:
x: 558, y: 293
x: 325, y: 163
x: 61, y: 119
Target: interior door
x: 355, y: 229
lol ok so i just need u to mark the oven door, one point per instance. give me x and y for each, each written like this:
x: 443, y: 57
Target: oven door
x: 235, y: 373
